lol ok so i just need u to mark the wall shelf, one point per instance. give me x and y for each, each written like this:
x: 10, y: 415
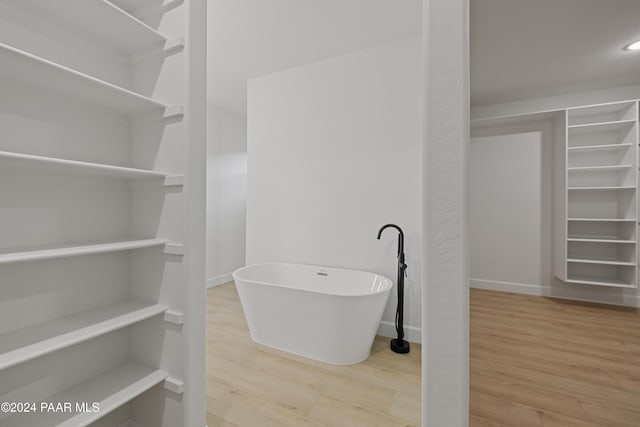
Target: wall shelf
x: 35, y: 72
x: 598, y: 240
x: 22, y: 161
x: 607, y: 112
x: 600, y: 261
x: 603, y: 219
x: 584, y: 280
x: 621, y: 187
x: 605, y: 147
x: 100, y: 20
x: 29, y: 343
x: 111, y: 390
x: 600, y: 127
x: 36, y: 254
x: 599, y: 168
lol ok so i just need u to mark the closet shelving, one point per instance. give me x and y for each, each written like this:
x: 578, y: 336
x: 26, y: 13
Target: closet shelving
x: 602, y: 185
x: 39, y: 253
x: 35, y: 72
x: 595, y: 214
x: 605, y: 147
x: 29, y: 343
x: 78, y: 143
x: 53, y: 164
x: 100, y: 20
x: 109, y: 390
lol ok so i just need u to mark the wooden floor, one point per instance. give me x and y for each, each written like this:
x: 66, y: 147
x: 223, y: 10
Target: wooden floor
x: 249, y: 385
x: 534, y: 362
x: 550, y: 363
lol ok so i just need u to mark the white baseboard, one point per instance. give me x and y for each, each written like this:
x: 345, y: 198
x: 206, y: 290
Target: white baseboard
x: 411, y: 333
x: 219, y: 280
x: 567, y: 291
x: 516, y: 288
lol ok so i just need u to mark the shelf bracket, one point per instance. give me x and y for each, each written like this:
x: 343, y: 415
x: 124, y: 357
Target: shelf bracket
x: 173, y: 112
x: 174, y: 180
x: 175, y: 317
x: 166, y: 6
x: 170, y: 47
x: 174, y: 385
x: 173, y: 46
x: 174, y: 249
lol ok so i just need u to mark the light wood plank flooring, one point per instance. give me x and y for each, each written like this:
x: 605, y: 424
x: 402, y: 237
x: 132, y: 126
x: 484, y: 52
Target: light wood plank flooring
x: 534, y: 362
x: 249, y: 385
x: 544, y: 362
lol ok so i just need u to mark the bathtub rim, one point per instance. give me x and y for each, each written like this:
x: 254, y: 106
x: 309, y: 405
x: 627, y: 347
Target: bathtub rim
x: 365, y: 294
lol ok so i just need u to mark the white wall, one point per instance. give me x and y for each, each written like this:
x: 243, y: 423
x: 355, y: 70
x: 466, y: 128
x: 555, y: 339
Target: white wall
x: 226, y: 193
x: 505, y: 208
x: 334, y: 153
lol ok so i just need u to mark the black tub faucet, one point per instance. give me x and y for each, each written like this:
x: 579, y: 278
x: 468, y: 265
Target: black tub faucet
x: 399, y: 345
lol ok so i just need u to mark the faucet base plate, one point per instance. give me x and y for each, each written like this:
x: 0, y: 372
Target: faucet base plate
x: 400, y: 346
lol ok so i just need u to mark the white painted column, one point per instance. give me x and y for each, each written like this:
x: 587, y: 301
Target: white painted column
x: 445, y: 312
x: 195, y: 401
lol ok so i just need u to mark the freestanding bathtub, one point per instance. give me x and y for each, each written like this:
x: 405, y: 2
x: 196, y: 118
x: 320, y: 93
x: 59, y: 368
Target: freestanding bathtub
x: 326, y: 314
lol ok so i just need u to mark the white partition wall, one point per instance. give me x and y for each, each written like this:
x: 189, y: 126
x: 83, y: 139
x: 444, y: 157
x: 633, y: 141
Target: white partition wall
x: 445, y: 298
x: 102, y: 157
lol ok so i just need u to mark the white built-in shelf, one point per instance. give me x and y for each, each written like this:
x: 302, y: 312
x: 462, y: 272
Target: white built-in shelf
x: 599, y: 240
x: 602, y: 261
x: 582, y: 280
x: 600, y: 127
x: 612, y: 111
x: 599, y: 168
x: 604, y: 147
x: 40, y: 253
x: 22, y: 161
x: 35, y: 341
x: 99, y: 20
x: 603, y: 219
x: 620, y: 187
x: 38, y: 73
x: 110, y: 390
x: 515, y: 119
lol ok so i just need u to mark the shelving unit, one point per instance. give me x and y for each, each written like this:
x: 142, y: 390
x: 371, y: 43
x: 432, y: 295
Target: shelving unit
x: 103, y: 123
x: 38, y: 254
x: 605, y: 147
x: 600, y: 165
x: 595, y: 185
x: 29, y: 343
x: 24, y: 69
x: 97, y: 19
x: 614, y: 220
x: 20, y: 161
x: 109, y: 390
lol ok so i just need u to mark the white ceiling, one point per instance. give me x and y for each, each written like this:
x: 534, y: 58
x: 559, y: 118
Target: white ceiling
x: 532, y: 48
x: 251, y: 38
x: 519, y: 48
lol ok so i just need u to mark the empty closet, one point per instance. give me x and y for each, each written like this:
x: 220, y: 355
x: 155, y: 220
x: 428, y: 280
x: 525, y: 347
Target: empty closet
x: 570, y: 224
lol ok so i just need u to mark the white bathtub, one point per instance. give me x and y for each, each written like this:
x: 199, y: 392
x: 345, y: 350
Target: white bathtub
x: 326, y: 314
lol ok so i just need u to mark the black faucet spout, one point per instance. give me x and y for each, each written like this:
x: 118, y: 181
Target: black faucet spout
x: 400, y: 237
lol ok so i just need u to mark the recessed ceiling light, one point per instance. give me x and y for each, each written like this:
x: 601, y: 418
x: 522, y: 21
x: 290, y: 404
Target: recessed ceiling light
x: 633, y: 46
